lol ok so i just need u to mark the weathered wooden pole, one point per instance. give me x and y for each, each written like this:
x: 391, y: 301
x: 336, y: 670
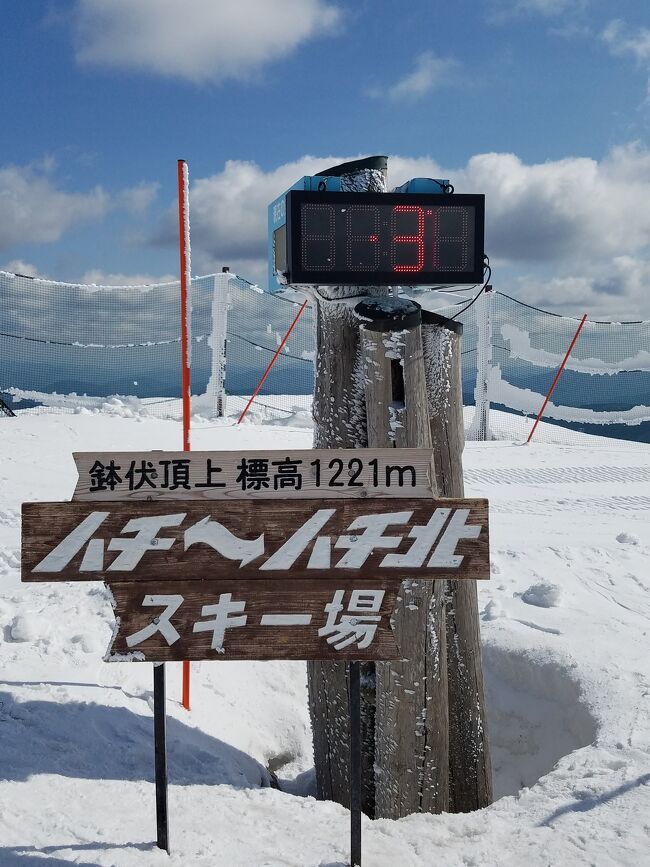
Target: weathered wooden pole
x: 340, y: 422
x: 470, y: 772
x: 411, y: 724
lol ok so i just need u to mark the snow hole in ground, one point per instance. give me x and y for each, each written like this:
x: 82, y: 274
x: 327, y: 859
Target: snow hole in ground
x: 535, y: 716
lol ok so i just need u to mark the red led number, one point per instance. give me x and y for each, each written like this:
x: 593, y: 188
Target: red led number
x: 417, y: 240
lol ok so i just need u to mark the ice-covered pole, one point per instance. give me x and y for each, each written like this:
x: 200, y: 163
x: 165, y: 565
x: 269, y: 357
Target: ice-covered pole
x: 186, y: 333
x: 186, y: 302
x: 480, y: 427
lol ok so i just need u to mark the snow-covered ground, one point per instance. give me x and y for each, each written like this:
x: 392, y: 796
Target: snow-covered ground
x: 565, y: 623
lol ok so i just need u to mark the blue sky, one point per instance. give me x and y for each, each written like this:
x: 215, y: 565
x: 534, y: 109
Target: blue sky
x: 544, y: 105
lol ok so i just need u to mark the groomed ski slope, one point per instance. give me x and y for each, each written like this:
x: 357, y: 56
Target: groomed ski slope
x: 566, y: 643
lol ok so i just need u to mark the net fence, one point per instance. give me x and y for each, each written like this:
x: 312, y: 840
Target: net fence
x: 70, y: 347
x: 257, y: 325
x: 73, y: 348
x: 603, y: 391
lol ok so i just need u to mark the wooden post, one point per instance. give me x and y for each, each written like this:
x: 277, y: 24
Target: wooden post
x: 470, y: 772
x: 411, y: 724
x: 340, y: 422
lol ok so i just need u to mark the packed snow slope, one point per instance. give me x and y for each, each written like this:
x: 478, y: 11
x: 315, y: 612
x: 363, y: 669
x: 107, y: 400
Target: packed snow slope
x: 565, y: 623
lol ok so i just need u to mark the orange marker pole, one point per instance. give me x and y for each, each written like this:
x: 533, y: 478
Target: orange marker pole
x: 186, y: 313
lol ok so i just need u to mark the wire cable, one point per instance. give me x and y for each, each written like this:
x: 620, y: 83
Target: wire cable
x: 487, y: 274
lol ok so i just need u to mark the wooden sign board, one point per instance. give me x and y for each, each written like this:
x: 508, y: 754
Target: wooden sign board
x: 263, y: 539
x: 310, y: 619
x: 295, y: 474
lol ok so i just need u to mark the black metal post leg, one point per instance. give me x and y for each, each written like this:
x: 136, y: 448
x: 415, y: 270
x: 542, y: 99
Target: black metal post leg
x: 160, y: 748
x: 355, y: 763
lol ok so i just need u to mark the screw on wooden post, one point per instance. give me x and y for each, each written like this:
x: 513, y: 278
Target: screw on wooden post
x: 160, y: 749
x: 470, y: 776
x: 411, y: 740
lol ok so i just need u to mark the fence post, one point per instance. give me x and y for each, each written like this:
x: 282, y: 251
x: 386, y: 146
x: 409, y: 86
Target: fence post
x: 480, y: 426
x: 216, y: 391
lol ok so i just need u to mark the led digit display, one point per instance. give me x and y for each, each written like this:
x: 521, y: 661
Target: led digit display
x: 384, y: 238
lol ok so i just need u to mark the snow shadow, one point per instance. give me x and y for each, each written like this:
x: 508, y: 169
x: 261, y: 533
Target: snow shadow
x: 31, y: 856
x: 583, y: 805
x: 22, y: 856
x: 96, y: 741
x: 535, y: 716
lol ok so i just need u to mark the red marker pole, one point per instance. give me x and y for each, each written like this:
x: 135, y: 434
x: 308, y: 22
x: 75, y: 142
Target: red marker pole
x: 557, y: 376
x: 272, y: 362
x: 186, y: 325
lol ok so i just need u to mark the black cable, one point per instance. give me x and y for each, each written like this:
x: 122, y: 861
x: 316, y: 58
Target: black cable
x: 231, y: 334
x: 575, y: 318
x: 488, y: 272
x: 447, y: 291
x: 446, y: 188
x: 276, y: 297
x: 79, y: 345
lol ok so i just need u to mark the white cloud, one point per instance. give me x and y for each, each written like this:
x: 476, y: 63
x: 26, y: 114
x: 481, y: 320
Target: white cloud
x: 137, y: 199
x: 615, y: 289
x: 197, y: 40
x: 622, y: 41
x: 545, y: 7
x: 503, y: 10
x: 580, y: 225
x: 430, y: 72
x: 19, y: 266
x: 563, y: 210
x: 228, y: 213
x: 34, y: 210
x: 97, y: 277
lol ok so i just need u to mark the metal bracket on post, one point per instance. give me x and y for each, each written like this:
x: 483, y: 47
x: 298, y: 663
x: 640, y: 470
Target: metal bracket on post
x: 160, y: 750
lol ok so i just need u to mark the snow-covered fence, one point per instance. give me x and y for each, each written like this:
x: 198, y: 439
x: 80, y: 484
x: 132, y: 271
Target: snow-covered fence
x: 72, y: 347
x: 603, y: 390
x: 117, y: 349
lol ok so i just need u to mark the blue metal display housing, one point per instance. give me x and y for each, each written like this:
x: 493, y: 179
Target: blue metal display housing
x: 277, y: 219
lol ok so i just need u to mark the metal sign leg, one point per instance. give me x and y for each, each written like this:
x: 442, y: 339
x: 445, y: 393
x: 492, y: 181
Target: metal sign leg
x: 354, y: 673
x: 160, y: 748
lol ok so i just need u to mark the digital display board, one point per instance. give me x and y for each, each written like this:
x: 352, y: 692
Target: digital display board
x: 382, y: 238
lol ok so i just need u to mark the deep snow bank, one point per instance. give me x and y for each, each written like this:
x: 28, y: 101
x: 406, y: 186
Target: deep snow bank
x: 564, y: 624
